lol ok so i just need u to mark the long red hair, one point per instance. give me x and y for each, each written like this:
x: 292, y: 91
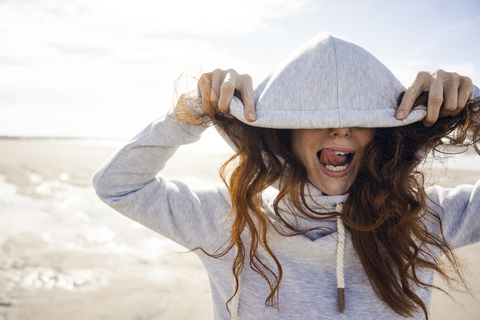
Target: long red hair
x: 386, y: 210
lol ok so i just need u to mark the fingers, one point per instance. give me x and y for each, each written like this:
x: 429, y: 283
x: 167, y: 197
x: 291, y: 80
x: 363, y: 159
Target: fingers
x: 456, y: 92
x: 248, y: 98
x: 217, y: 80
x: 227, y: 90
x: 412, y: 94
x: 435, y: 99
x: 218, y: 87
x: 448, y: 95
x: 203, y: 90
x: 464, y: 93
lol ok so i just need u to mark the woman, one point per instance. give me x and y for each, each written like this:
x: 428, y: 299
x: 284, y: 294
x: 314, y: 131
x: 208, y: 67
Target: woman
x: 324, y: 215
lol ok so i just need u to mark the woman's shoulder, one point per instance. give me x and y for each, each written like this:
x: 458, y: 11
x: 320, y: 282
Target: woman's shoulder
x: 459, y: 192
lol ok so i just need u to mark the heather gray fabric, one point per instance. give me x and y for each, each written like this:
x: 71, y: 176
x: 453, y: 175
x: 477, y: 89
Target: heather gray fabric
x: 193, y: 216
x: 328, y: 82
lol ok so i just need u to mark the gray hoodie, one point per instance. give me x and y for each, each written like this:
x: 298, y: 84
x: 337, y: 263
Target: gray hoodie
x: 314, y: 265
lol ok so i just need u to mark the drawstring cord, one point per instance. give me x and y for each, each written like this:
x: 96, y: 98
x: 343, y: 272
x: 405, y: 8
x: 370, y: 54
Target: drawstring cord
x: 236, y: 298
x: 340, y: 276
x: 340, y: 254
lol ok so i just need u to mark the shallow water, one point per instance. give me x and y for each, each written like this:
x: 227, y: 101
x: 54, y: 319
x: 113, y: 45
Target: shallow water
x: 73, y: 217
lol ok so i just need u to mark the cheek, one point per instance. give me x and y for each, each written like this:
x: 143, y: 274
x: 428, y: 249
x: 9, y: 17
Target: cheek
x: 305, y: 142
x: 366, y: 136
x: 299, y: 147
x: 296, y: 149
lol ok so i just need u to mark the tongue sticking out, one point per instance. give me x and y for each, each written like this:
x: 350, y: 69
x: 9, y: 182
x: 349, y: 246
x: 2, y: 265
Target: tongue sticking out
x: 327, y: 156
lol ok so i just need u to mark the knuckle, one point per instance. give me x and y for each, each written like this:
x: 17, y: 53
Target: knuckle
x: 467, y: 81
x: 423, y: 75
x: 205, y: 78
x: 231, y: 71
x: 435, y: 100
x: 450, y: 106
x: 411, y: 90
x: 246, y: 77
x: 249, y: 95
x: 227, y: 86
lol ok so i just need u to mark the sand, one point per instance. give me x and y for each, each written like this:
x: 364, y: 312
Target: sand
x: 65, y: 255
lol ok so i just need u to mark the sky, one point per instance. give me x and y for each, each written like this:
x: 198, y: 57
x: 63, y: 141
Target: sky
x: 106, y: 68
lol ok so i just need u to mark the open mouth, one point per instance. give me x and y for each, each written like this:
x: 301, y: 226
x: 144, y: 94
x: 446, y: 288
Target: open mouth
x: 334, y: 160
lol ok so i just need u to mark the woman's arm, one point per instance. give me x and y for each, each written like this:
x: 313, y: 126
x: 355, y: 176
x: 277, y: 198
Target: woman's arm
x: 127, y: 182
x: 460, y: 214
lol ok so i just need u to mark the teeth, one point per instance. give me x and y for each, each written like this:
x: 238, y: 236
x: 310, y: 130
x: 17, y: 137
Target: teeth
x: 341, y: 153
x: 336, y: 168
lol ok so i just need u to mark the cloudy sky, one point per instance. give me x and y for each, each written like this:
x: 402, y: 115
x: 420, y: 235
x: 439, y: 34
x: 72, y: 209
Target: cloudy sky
x: 105, y: 68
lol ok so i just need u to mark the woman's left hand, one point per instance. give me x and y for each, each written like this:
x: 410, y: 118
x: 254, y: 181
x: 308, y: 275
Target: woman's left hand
x: 448, y: 95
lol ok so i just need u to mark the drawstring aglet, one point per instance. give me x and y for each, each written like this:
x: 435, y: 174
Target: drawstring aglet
x: 341, y: 299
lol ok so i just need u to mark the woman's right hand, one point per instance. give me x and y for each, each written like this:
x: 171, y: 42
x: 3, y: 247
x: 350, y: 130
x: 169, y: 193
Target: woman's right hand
x: 218, y: 87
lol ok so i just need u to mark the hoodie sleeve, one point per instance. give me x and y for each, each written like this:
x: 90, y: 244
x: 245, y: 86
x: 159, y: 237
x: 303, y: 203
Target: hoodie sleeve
x: 460, y: 214
x: 128, y: 182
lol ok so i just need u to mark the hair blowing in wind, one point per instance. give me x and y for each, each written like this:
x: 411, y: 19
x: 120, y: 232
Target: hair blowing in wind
x: 386, y: 209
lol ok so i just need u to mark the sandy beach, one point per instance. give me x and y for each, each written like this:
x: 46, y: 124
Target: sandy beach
x: 66, y: 255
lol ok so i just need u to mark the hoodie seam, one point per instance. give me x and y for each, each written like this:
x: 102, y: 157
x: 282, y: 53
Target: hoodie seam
x: 336, y: 79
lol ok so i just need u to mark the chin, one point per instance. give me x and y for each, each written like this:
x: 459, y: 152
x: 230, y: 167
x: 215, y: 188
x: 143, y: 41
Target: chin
x: 332, y: 188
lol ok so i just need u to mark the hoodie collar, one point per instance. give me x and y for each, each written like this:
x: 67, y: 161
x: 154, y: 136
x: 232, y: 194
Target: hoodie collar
x: 316, y: 200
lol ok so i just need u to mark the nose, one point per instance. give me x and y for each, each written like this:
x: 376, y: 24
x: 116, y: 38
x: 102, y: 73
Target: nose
x: 340, y: 132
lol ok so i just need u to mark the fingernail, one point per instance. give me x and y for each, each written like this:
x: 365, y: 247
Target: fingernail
x: 251, y: 116
x: 400, y: 115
